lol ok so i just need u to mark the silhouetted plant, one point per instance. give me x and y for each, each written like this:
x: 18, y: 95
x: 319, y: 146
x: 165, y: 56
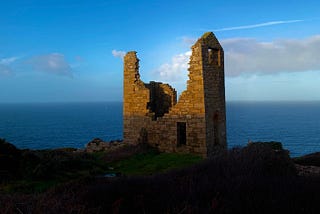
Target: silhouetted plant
x: 310, y: 159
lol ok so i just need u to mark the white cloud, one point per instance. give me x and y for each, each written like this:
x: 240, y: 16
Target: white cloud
x: 5, y: 70
x: 54, y: 63
x: 245, y: 56
x: 188, y: 40
x: 79, y: 58
x: 175, y: 70
x: 119, y: 54
x: 8, y: 61
x: 258, y: 25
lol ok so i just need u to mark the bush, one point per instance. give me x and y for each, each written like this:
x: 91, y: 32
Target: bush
x: 8, y: 148
x: 9, y: 161
x: 309, y: 160
x: 272, y: 144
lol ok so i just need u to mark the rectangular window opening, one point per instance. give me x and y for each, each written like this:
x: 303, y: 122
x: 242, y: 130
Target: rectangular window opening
x: 181, y: 133
x: 214, y: 56
x: 210, y: 55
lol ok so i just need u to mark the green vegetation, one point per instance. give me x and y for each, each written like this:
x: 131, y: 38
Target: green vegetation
x: 153, y: 163
x: 35, y: 171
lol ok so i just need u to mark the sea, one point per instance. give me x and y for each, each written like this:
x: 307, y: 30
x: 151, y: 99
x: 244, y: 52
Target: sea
x: 56, y: 125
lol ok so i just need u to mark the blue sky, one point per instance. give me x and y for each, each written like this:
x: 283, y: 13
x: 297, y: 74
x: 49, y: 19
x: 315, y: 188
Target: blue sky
x: 67, y: 51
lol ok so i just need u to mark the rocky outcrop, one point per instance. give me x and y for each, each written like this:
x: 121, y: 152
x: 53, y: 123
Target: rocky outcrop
x: 97, y: 145
x: 308, y: 165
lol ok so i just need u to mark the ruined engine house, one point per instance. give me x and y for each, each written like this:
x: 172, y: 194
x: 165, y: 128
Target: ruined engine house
x: 196, y: 123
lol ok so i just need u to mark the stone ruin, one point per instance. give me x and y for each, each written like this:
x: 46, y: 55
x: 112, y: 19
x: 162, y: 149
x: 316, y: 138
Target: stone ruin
x: 196, y: 123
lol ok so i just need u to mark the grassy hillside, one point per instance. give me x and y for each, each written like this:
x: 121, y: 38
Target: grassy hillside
x: 32, y: 171
x: 259, y: 178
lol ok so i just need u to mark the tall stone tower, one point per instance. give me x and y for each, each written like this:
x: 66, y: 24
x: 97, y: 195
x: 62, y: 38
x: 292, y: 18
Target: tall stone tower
x: 194, y: 124
x: 212, y: 60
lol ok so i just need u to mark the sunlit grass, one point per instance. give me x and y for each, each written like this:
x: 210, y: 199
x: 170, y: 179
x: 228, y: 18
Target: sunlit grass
x: 152, y: 163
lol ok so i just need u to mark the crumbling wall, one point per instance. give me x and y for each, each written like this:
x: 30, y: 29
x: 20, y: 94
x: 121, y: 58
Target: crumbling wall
x: 190, y: 109
x: 135, y: 99
x: 194, y: 124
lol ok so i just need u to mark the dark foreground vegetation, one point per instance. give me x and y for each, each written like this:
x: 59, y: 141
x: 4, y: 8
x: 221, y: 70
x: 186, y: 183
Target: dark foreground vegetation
x: 259, y: 178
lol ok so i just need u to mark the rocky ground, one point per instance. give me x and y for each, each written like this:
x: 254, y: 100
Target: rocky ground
x: 308, y: 170
x: 98, y: 145
x: 308, y: 165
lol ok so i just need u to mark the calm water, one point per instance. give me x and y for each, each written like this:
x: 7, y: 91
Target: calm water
x: 60, y: 124
x: 38, y: 126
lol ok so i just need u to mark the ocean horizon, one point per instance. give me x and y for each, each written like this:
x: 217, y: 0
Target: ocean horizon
x: 296, y: 124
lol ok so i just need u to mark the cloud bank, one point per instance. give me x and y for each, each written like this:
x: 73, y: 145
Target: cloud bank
x: 54, y: 63
x: 119, y: 54
x: 247, y: 56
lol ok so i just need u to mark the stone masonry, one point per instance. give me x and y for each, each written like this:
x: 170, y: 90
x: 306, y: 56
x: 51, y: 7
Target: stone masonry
x: 197, y: 122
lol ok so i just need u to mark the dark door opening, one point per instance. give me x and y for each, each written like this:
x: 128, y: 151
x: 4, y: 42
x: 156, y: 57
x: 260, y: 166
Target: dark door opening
x: 181, y: 133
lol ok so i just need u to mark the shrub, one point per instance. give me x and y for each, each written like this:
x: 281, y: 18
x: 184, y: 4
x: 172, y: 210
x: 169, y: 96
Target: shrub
x: 8, y: 148
x: 309, y: 160
x: 9, y: 161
